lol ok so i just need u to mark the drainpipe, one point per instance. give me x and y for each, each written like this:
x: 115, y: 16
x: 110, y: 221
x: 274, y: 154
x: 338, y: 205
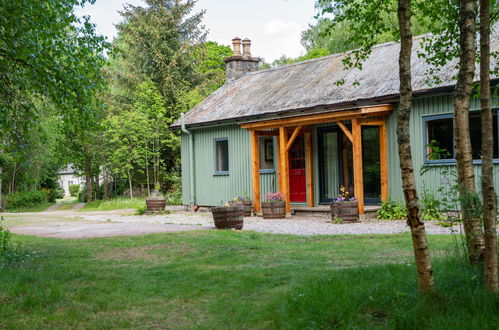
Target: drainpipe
x: 191, y: 159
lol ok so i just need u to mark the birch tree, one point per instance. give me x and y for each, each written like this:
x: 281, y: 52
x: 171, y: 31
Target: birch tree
x: 488, y: 191
x: 367, y: 23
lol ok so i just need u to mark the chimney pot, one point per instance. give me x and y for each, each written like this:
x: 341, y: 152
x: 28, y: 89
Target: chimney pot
x: 236, y: 46
x: 246, y: 47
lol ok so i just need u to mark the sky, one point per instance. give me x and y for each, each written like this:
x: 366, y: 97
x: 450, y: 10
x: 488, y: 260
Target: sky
x: 274, y: 26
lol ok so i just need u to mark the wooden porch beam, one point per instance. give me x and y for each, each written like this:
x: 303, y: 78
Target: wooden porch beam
x: 283, y: 137
x: 293, y: 137
x: 381, y: 110
x: 267, y: 133
x: 345, y: 130
x: 309, y: 165
x: 255, y: 171
x: 358, y: 181
x: 383, y: 155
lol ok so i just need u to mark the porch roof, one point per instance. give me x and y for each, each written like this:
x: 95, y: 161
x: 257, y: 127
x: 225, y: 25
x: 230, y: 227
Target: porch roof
x: 310, y: 87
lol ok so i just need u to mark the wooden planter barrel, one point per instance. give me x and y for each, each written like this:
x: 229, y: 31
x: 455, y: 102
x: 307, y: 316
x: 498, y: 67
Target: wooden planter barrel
x: 346, y: 211
x: 155, y: 204
x: 274, y: 210
x: 228, y: 217
x: 247, y: 205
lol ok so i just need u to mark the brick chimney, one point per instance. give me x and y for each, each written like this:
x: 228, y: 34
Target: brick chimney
x: 237, y: 64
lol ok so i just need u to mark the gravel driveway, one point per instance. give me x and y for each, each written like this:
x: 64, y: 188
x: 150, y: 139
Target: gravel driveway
x: 71, y: 224
x: 297, y: 225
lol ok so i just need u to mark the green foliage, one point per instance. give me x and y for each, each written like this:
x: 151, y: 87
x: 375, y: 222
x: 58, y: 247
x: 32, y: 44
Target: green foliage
x: 392, y: 211
x: 430, y: 206
x: 25, y: 199
x: 118, y: 203
x: 74, y: 189
x: 10, y: 253
x: 141, y: 210
x: 336, y: 220
x: 47, y: 51
x: 53, y: 194
x: 311, y: 54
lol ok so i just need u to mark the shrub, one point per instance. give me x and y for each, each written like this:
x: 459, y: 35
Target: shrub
x: 53, y: 194
x: 74, y: 189
x: 392, y: 211
x: 25, y: 199
x: 9, y: 253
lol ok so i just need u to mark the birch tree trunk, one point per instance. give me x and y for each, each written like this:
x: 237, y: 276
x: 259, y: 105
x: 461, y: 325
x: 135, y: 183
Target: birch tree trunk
x: 488, y: 191
x: 464, y: 157
x: 420, y: 245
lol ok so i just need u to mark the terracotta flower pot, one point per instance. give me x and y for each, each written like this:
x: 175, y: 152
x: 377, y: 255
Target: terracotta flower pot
x: 274, y: 210
x: 228, y: 217
x: 348, y: 211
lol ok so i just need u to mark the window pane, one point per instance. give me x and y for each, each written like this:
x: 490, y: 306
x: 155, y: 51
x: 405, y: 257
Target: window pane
x: 222, y: 155
x: 441, y: 139
x: 476, y: 135
x: 266, y: 150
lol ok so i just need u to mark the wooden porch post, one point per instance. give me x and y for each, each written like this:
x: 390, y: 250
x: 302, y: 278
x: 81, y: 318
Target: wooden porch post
x: 383, y: 155
x: 284, y: 165
x: 255, y: 167
x: 358, y: 182
x: 309, y: 168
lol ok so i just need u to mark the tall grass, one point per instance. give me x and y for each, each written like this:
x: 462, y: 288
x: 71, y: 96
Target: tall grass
x: 386, y: 297
x: 119, y: 203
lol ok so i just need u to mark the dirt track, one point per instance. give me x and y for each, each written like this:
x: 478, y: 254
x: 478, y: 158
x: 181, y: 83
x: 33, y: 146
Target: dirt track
x: 70, y: 224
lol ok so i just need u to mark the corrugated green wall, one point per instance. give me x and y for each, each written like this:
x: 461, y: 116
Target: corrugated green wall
x: 211, y: 189
x: 434, y: 178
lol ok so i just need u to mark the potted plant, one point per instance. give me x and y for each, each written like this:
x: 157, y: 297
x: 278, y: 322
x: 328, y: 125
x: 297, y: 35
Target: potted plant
x: 228, y: 217
x: 156, y: 202
x: 274, y: 206
x: 345, y: 207
x: 245, y: 201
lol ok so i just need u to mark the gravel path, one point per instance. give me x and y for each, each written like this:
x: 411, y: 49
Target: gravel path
x: 295, y: 225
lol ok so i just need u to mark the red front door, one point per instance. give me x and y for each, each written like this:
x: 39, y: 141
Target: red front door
x: 297, y: 175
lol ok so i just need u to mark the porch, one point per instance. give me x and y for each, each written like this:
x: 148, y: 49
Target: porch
x: 294, y: 135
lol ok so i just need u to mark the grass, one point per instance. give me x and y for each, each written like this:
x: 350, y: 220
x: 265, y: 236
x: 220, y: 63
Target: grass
x: 37, y: 208
x: 120, y: 203
x: 226, y: 279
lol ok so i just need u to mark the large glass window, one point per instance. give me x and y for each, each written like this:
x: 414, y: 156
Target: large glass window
x: 221, y: 156
x: 266, y: 150
x: 440, y: 137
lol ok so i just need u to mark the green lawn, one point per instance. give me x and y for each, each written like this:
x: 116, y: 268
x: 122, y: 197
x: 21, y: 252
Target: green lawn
x: 239, y: 280
x: 120, y: 203
x: 37, y: 208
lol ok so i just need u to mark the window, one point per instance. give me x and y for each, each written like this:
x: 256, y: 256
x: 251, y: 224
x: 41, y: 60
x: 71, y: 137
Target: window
x: 221, y: 156
x: 266, y: 150
x: 440, y: 137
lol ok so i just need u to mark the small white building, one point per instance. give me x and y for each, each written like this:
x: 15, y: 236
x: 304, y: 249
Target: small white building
x: 68, y: 177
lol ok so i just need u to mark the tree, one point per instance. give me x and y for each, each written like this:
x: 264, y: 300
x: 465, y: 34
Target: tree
x: 420, y: 244
x: 47, y: 56
x: 126, y: 139
x: 488, y: 191
x: 339, y: 37
x: 462, y: 98
x: 366, y: 19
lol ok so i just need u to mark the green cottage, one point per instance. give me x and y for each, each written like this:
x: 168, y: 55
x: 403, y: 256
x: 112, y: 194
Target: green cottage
x: 293, y: 129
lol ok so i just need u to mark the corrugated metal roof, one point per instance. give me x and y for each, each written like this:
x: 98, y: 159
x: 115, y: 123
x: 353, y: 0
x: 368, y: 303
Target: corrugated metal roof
x: 311, y: 84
